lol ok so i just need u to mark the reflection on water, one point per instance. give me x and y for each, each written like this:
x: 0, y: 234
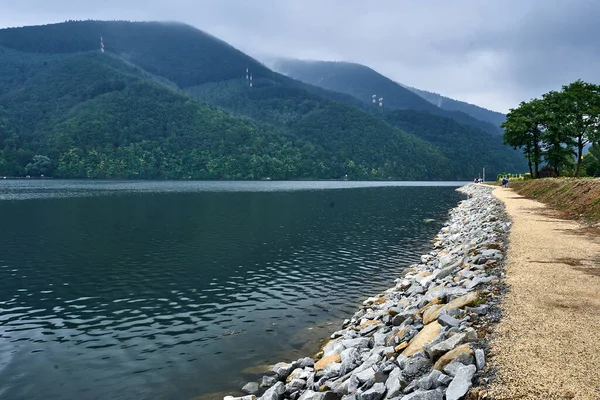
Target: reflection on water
x: 170, y: 289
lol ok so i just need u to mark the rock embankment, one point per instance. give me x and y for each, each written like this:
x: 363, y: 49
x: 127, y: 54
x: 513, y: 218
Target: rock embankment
x: 422, y: 339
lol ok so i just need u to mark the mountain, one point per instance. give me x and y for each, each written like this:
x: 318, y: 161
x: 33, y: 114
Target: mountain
x: 92, y: 116
x: 446, y: 103
x: 167, y: 101
x: 70, y: 110
x: 363, y: 82
x: 175, y: 51
x: 458, y: 142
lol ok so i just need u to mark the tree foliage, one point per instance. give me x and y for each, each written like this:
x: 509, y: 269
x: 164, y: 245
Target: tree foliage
x: 467, y: 148
x: 591, y: 161
x: 556, y: 127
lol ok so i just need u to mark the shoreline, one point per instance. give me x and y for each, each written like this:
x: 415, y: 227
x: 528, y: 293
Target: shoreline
x: 424, y: 338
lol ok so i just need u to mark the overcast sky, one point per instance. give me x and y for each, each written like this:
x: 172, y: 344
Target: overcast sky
x: 491, y: 53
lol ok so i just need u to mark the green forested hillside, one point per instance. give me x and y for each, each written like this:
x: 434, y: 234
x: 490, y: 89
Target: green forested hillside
x: 92, y: 115
x: 178, y: 52
x: 363, y: 82
x: 93, y: 118
x: 169, y: 101
x: 458, y: 142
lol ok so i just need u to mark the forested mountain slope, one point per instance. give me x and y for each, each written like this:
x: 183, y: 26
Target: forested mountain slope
x: 92, y: 115
x: 178, y: 52
x: 447, y: 103
x: 458, y: 142
x: 363, y: 82
x: 166, y: 100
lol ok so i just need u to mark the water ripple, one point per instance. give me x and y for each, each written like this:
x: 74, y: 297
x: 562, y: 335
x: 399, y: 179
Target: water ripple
x: 169, y: 294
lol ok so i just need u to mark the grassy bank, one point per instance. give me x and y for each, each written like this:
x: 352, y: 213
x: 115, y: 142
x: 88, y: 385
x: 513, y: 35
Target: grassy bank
x: 579, y: 198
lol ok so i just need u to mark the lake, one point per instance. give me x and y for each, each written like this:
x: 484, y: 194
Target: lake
x: 172, y: 290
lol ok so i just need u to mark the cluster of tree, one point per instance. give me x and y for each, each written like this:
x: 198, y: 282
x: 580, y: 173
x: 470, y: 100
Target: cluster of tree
x: 556, y: 128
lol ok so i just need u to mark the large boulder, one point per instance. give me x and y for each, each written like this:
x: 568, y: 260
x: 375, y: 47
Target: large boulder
x: 415, y: 367
x: 395, y: 383
x: 283, y: 369
x: 350, y: 358
x: 427, y: 334
x: 294, y: 374
x: 268, y: 381
x: 453, y: 354
x: 461, y: 383
x: 251, y: 388
x: 311, y: 395
x: 325, y: 361
x: 275, y: 392
x: 376, y: 392
x: 460, y: 302
x: 452, y: 342
x: 424, y: 395
x: 358, y: 343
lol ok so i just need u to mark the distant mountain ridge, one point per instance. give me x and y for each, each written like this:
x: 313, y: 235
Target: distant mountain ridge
x: 166, y: 100
x: 447, y: 103
x: 178, y: 52
x: 363, y: 82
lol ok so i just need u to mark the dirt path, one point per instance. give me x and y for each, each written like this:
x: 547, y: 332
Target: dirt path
x: 548, y: 344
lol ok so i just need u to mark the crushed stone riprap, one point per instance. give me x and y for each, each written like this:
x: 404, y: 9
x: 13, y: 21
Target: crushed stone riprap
x: 423, y: 339
x: 547, y: 345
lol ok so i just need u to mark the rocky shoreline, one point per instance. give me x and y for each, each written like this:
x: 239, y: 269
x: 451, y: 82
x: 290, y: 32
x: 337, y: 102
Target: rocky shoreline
x: 425, y: 338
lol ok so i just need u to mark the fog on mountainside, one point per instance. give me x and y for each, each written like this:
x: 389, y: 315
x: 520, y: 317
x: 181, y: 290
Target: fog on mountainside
x: 446, y: 103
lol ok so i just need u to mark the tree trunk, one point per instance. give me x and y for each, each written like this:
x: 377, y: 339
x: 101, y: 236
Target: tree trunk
x: 579, y: 155
x: 536, y: 153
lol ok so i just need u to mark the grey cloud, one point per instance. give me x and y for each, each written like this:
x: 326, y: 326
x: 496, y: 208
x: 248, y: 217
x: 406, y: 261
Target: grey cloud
x: 492, y: 53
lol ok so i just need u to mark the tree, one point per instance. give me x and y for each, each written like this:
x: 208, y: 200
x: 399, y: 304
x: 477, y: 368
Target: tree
x: 40, y: 165
x: 556, y: 134
x: 523, y: 129
x: 581, y: 115
x: 557, y: 127
x: 591, y: 161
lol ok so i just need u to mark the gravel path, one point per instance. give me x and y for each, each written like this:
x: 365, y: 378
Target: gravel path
x: 547, y: 346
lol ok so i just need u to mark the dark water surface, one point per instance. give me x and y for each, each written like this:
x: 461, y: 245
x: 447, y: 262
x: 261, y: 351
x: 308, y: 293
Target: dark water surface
x: 169, y: 290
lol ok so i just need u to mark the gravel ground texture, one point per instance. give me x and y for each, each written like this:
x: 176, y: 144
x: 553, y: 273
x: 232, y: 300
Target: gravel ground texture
x: 547, y: 346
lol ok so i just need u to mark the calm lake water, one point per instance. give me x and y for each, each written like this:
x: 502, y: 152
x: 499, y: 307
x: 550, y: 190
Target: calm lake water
x: 170, y: 290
